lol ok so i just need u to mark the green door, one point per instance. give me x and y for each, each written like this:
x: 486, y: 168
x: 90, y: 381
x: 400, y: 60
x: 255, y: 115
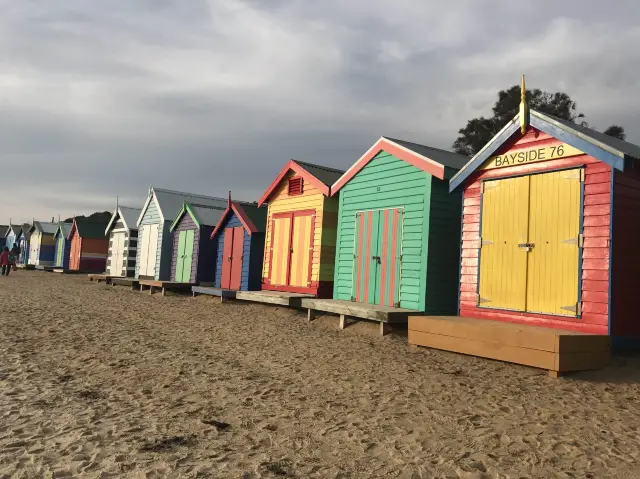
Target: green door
x: 377, y: 257
x: 59, y: 251
x: 184, y: 258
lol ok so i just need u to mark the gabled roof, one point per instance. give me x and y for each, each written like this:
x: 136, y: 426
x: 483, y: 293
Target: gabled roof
x: 170, y: 202
x: 321, y: 177
x: 64, y: 229
x: 43, y: 228
x: 127, y: 214
x: 88, y: 228
x: 429, y: 159
x: 602, y: 147
x: 201, y: 215
x: 15, y: 229
x: 4, y: 230
x: 253, y: 218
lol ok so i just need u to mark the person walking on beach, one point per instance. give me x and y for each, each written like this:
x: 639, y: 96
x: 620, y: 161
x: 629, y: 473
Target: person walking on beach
x: 4, y: 262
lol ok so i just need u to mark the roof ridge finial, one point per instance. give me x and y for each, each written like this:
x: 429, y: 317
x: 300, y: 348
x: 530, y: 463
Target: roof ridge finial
x: 524, y: 108
x: 229, y: 203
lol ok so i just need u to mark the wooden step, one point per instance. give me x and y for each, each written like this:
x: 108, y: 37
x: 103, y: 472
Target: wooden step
x: 553, y: 349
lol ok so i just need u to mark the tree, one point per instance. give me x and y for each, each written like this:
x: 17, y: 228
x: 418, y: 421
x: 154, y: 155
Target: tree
x: 479, y: 131
x: 97, y: 216
x: 616, y: 131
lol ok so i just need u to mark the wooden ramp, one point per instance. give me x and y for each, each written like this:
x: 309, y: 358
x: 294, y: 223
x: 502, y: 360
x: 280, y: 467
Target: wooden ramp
x: 273, y: 297
x: 221, y: 293
x: 98, y: 278
x: 163, y: 286
x: 44, y: 268
x: 385, y: 315
x: 122, y: 281
x: 556, y: 350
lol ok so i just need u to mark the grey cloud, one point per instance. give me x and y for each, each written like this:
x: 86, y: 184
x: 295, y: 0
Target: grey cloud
x: 105, y: 98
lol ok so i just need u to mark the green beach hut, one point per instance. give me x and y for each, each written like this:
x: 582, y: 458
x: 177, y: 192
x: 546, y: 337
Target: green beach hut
x: 398, y: 241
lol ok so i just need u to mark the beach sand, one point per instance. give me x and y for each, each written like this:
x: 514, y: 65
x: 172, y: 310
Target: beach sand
x: 101, y: 381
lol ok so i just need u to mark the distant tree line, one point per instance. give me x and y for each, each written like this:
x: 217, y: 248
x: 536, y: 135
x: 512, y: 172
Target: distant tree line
x: 98, y: 216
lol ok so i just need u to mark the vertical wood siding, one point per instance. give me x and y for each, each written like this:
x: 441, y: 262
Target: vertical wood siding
x: 65, y: 246
x: 206, y: 256
x: 186, y: 223
x: 387, y: 182
x: 34, y: 248
x: 325, y: 227
x: 47, y: 249
x: 93, y: 254
x: 626, y: 254
x: 151, y: 217
x: 595, y: 254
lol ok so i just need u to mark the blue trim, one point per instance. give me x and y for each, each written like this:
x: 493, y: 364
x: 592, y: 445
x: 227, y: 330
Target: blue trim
x: 496, y: 142
x: 580, y: 232
x: 583, y: 145
x: 491, y: 147
x: 612, y: 199
x: 461, y: 241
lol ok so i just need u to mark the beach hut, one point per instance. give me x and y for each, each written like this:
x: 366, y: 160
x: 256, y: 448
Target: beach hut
x: 193, y: 254
x: 89, y: 245
x: 63, y: 245
x: 397, y: 228
x: 12, y: 235
x: 550, y: 215
x: 301, y: 230
x: 155, y: 240
x: 239, y: 242
x: 41, y: 243
x: 23, y: 243
x: 122, y: 232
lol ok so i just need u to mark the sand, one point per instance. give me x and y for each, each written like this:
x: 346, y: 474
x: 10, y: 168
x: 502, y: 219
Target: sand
x: 101, y: 381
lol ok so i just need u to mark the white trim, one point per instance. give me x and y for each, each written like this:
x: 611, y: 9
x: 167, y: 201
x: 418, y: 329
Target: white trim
x: 355, y: 163
x: 151, y: 196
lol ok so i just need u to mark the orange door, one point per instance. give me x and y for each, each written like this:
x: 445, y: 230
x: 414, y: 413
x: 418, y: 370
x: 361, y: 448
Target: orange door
x: 292, y: 249
x: 74, y: 255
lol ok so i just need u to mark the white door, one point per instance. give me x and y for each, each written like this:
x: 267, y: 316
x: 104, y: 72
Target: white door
x: 117, y: 254
x: 34, y: 246
x: 143, y: 247
x: 152, y: 250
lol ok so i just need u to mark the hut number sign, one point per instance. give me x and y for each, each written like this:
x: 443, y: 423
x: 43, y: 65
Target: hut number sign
x: 531, y: 155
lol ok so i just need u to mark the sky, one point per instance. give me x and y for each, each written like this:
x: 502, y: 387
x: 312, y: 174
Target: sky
x: 101, y: 100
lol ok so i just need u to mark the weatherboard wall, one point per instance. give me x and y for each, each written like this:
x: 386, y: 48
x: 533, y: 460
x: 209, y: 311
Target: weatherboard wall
x: 61, y: 243
x: 596, y: 214
x: 386, y: 182
x: 324, y: 228
x: 165, y: 243
x: 130, y: 248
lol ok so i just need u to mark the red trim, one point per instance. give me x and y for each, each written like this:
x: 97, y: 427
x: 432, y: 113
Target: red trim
x: 311, y: 246
x: 295, y: 167
x: 290, y: 245
x: 273, y: 227
x: 290, y: 289
x: 394, y: 249
x: 422, y: 162
x: 242, y: 216
x: 360, y: 250
x: 367, y: 257
x: 385, y: 256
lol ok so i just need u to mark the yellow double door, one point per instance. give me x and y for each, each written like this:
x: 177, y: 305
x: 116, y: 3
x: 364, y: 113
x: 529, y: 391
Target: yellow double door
x: 530, y: 252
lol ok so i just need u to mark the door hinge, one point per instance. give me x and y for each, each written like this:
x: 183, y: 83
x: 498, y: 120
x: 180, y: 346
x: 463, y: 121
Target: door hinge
x: 575, y: 175
x: 480, y: 300
x: 579, y: 240
x: 488, y: 185
x: 396, y: 304
x: 484, y: 242
x: 576, y: 308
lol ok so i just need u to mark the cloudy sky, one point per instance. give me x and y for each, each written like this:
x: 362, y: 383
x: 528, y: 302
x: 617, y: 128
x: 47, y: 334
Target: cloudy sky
x: 103, y: 99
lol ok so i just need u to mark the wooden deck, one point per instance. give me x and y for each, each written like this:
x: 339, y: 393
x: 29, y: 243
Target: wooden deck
x: 273, y: 297
x: 122, y: 281
x: 44, y: 268
x: 25, y: 266
x: 163, y: 286
x: 385, y: 315
x: 98, y: 278
x: 65, y: 271
x: 211, y: 291
x: 556, y: 350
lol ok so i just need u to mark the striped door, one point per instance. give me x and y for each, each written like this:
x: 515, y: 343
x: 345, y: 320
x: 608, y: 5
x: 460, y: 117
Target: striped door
x: 74, y: 256
x: 301, y: 249
x: 280, y: 253
x: 377, y: 257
